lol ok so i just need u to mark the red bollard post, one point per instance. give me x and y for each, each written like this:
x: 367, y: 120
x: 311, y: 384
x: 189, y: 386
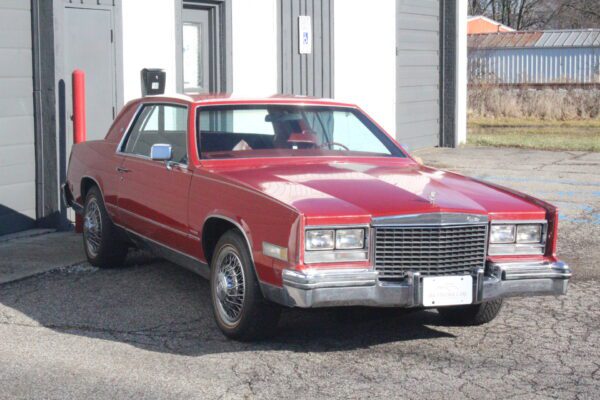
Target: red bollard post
x: 79, y: 133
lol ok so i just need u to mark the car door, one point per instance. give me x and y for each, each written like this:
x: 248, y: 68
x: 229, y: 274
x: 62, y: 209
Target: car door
x: 153, y: 195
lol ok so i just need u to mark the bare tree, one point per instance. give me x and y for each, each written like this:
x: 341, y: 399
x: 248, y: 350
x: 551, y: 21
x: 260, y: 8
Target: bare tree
x: 577, y: 14
x: 540, y: 14
x: 519, y: 14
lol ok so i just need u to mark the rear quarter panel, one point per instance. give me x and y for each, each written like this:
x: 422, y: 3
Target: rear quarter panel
x: 98, y: 160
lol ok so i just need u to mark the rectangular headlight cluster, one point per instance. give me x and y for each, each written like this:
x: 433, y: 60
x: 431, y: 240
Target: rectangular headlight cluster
x: 517, y: 238
x: 335, y: 245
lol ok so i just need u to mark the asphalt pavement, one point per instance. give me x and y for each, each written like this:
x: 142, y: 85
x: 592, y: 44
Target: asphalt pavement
x: 147, y: 331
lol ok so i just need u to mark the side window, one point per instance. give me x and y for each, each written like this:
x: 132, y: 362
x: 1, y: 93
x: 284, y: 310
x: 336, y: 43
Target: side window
x: 159, y: 123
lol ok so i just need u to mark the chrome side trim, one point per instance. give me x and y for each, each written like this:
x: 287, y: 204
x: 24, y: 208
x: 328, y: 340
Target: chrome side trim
x: 175, y: 256
x: 153, y: 222
x: 129, y: 127
x: 431, y: 219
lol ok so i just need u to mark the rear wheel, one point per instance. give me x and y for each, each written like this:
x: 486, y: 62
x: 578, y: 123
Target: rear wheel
x: 103, y: 247
x: 240, y: 310
x: 476, y: 314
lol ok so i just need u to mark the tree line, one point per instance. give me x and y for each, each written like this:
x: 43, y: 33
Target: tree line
x: 540, y: 14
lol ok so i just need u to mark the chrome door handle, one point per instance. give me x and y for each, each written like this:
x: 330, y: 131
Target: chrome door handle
x: 122, y: 170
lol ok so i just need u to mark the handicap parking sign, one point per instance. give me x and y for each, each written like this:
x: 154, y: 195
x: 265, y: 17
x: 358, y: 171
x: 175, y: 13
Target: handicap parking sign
x: 304, y: 34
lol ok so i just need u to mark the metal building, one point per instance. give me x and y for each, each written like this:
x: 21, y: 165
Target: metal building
x: 569, y: 57
x: 398, y: 59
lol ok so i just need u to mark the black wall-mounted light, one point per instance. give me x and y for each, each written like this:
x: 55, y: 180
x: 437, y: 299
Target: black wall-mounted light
x: 153, y: 81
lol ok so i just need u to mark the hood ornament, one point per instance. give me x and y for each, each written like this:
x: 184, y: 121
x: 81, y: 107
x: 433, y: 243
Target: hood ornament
x: 432, y: 197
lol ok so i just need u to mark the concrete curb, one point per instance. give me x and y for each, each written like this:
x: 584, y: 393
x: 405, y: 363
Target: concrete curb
x: 29, y: 255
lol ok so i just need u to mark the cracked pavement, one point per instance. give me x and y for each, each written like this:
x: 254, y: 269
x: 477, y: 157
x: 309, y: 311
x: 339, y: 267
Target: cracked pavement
x: 147, y: 331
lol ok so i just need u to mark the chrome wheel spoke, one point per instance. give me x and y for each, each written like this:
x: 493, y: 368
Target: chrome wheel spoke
x: 229, y: 285
x: 92, y: 227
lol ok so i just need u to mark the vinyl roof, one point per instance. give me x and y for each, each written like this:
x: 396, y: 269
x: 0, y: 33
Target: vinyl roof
x: 536, y: 39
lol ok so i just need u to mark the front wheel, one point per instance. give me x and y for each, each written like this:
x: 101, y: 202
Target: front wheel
x: 476, y: 314
x: 240, y: 310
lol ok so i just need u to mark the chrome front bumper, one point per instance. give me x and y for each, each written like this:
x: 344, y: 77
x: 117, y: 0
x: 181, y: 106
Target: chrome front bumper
x: 351, y: 287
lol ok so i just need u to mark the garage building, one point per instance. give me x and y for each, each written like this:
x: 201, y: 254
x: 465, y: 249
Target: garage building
x: 401, y: 60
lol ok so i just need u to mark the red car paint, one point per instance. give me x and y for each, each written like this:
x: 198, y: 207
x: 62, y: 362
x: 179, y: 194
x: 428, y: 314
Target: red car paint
x: 273, y: 199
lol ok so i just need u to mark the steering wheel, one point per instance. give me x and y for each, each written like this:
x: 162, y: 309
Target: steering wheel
x: 331, y: 144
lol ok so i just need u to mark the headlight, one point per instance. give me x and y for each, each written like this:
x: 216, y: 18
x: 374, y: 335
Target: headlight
x: 502, y: 234
x: 320, y: 240
x: 349, y: 239
x: 334, y: 245
x: 514, y: 238
x: 529, y: 233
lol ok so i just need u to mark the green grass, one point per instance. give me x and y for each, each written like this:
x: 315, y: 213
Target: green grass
x: 535, y: 134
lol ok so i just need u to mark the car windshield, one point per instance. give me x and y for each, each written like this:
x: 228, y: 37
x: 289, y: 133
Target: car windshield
x: 289, y: 130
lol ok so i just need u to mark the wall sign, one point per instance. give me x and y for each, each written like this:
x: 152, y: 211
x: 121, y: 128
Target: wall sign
x: 304, y: 34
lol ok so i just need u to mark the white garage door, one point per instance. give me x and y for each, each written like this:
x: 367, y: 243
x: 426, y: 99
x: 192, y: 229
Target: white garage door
x: 418, y: 72
x: 17, y: 152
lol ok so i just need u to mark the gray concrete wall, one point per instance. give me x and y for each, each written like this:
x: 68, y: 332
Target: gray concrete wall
x: 17, y: 143
x: 418, y: 61
x: 306, y: 74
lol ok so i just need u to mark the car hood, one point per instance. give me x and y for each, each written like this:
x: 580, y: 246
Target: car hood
x: 376, y: 188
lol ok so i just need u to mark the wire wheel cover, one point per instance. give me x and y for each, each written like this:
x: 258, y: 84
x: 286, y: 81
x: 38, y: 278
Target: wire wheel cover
x: 92, y: 227
x: 229, y: 286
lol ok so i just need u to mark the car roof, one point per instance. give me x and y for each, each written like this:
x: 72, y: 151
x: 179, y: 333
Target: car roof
x: 224, y: 98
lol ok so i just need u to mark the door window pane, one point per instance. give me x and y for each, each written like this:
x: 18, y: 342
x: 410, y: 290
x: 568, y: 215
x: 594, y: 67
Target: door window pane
x: 175, y: 119
x: 165, y: 124
x: 193, y: 66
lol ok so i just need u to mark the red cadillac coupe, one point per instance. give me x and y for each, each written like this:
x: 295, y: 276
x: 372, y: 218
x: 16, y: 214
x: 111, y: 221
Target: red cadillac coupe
x: 300, y: 202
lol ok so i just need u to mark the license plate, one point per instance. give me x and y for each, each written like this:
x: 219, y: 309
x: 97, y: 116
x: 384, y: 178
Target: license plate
x: 447, y: 291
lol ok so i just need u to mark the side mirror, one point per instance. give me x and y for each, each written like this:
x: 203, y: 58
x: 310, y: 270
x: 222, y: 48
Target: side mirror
x: 161, y: 152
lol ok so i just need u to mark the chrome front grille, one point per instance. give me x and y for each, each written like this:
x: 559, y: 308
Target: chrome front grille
x: 431, y: 250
